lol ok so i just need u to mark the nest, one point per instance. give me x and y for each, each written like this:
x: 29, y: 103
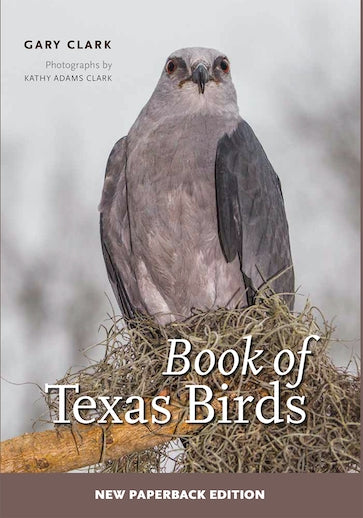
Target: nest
x: 135, y: 358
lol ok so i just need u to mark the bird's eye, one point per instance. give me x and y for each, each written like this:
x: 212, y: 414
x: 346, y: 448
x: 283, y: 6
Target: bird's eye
x: 170, y: 66
x: 224, y: 66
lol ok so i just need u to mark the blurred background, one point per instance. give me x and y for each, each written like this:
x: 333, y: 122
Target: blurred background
x: 296, y: 68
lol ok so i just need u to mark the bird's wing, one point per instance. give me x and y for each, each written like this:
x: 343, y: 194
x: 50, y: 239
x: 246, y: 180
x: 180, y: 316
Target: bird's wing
x: 114, y: 227
x: 251, y: 214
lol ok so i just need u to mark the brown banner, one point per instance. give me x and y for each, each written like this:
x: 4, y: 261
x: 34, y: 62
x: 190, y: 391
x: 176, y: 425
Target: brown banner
x: 139, y: 496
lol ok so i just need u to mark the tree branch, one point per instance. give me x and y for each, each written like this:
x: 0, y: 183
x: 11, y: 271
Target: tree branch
x: 67, y: 448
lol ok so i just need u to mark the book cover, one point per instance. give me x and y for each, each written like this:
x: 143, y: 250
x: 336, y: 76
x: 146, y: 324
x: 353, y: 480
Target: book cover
x: 216, y: 396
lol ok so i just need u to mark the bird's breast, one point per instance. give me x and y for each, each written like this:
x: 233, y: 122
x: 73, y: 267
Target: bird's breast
x: 171, y: 184
x: 173, y: 218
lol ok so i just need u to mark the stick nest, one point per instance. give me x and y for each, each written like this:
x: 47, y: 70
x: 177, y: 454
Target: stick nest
x: 134, y: 359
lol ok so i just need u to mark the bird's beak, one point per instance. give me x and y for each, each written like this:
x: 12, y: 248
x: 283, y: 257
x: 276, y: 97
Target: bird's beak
x: 200, y: 76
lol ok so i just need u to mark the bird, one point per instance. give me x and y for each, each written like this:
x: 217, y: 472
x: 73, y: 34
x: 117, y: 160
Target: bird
x: 192, y: 213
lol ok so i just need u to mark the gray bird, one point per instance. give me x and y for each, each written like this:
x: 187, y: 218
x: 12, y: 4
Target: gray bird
x: 192, y: 213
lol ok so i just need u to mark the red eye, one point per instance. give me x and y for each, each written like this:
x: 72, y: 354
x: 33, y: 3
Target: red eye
x: 170, y: 67
x: 225, y: 66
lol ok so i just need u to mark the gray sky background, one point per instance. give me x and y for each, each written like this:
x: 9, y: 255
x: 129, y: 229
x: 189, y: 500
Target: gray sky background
x: 295, y: 65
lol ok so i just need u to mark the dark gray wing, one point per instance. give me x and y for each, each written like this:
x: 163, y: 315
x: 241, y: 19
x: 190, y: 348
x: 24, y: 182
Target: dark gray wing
x: 251, y: 214
x: 114, y: 227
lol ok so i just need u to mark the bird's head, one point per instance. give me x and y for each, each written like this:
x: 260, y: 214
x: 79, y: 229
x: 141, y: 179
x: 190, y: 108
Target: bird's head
x: 197, y: 77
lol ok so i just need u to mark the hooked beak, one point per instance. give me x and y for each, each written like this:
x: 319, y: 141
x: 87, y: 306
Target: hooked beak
x: 200, y: 76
